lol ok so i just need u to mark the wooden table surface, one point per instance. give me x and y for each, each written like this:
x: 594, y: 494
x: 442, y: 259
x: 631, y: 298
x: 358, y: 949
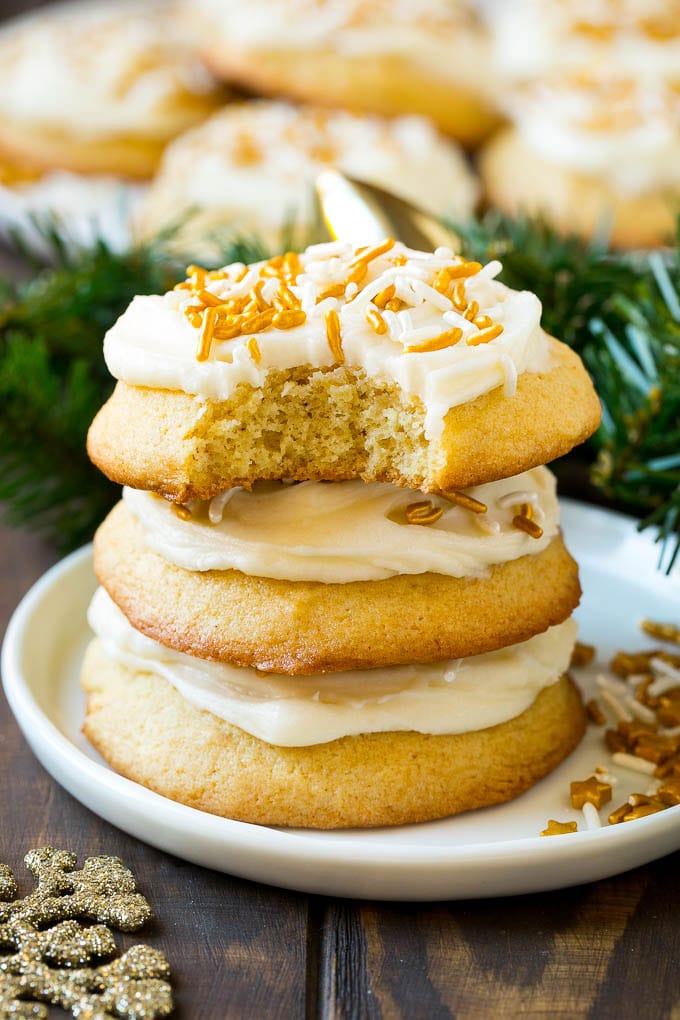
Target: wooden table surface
x: 241, y: 950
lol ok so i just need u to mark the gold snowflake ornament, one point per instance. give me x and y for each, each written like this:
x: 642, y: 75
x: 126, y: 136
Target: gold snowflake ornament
x: 48, y: 955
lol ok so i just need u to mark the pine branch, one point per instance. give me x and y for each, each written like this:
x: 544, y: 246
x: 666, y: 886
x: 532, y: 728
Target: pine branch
x: 622, y: 314
x: 53, y: 380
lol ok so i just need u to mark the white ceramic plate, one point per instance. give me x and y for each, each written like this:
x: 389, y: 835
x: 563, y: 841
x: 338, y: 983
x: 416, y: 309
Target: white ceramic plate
x: 492, y: 852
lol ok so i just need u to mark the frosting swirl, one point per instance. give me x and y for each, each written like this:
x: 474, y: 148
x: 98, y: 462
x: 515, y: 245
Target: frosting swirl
x: 347, y: 531
x: 444, y: 697
x: 446, y: 346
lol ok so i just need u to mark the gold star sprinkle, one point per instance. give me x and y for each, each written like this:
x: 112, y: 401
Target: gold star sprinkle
x: 50, y: 957
x: 590, y: 791
x: 559, y: 828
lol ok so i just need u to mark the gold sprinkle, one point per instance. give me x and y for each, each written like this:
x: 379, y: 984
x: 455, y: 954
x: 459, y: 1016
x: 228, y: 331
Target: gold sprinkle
x: 241, y: 275
x: 395, y: 304
x: 459, y: 296
x: 369, y: 254
x: 357, y: 274
x: 380, y: 300
x: 289, y: 319
x: 375, y: 319
x: 582, y: 655
x: 205, y: 336
x: 472, y: 311
x: 464, y: 269
x: 663, y: 631
x: 484, y: 336
x: 595, y: 713
x: 285, y: 299
x: 335, y: 290
x: 422, y: 512
x: 209, y: 299
x: 669, y: 792
x: 590, y: 791
x: 292, y: 266
x: 466, y: 502
x: 436, y: 343
x: 258, y: 298
x: 523, y: 523
x: 181, y: 511
x: 227, y: 331
x: 254, y: 350
x: 334, y: 336
x: 555, y: 828
x: 399, y: 260
x: 258, y: 323
x: 482, y: 321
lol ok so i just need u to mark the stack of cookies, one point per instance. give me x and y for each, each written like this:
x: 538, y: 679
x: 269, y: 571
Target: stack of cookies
x: 335, y: 592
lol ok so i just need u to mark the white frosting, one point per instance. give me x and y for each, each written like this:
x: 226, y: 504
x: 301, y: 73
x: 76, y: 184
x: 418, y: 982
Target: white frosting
x: 258, y: 162
x: 444, y: 697
x: 153, y: 344
x: 98, y: 70
x: 626, y: 133
x: 86, y: 209
x: 347, y: 531
x: 441, y: 35
x: 533, y: 38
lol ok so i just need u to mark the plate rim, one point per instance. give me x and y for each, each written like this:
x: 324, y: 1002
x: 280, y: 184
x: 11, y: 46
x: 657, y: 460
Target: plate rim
x: 325, y: 847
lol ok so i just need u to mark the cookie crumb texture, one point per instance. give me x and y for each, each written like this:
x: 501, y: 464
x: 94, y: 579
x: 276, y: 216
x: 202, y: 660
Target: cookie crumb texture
x: 338, y: 424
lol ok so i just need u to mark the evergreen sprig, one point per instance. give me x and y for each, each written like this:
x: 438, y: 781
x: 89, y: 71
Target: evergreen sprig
x: 53, y: 379
x: 622, y: 314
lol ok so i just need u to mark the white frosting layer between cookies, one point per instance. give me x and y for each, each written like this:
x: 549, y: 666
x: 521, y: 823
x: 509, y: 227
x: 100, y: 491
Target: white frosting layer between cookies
x: 153, y: 344
x: 99, y: 70
x: 456, y: 696
x: 258, y: 162
x: 347, y: 531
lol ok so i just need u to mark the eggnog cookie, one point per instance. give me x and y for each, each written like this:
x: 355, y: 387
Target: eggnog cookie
x: 381, y: 57
x: 97, y: 89
x: 333, y: 577
x: 382, y: 363
x: 535, y: 38
x: 591, y: 155
x: 254, y: 165
x: 360, y: 749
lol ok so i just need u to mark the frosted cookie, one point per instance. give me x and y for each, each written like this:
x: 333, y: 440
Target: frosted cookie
x: 253, y: 165
x: 428, y: 57
x: 534, y: 38
x: 318, y: 577
x: 591, y: 154
x: 355, y: 749
x: 97, y: 89
x: 381, y: 363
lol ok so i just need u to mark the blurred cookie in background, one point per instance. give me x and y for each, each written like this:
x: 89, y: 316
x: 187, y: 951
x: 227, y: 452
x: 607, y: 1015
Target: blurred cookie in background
x: 593, y: 155
x: 430, y: 57
x: 90, y: 94
x: 634, y: 38
x: 251, y: 168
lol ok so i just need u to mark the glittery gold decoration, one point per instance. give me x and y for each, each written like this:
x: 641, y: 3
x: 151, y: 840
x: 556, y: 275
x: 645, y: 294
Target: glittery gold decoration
x: 48, y: 956
x: 559, y: 828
